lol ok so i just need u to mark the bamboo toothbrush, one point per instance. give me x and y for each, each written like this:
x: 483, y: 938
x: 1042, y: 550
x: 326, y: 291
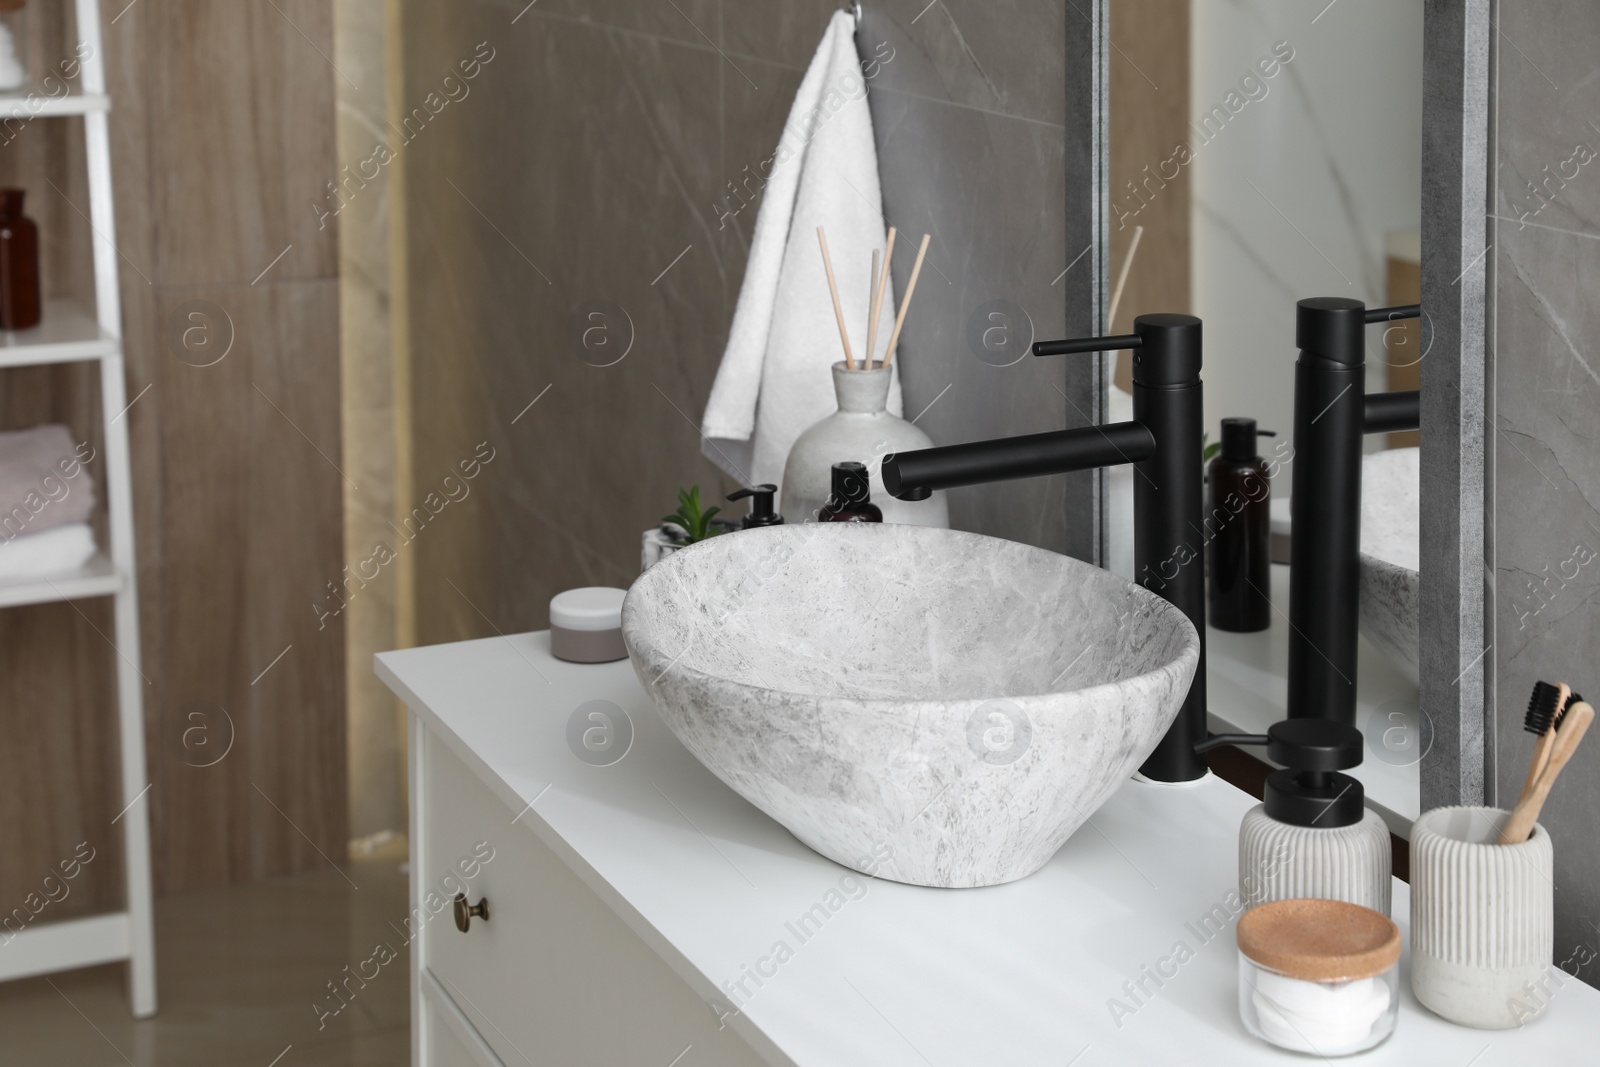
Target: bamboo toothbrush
x: 838, y: 312
x: 1574, y: 722
x: 876, y: 311
x: 905, y: 302
x: 1545, y: 708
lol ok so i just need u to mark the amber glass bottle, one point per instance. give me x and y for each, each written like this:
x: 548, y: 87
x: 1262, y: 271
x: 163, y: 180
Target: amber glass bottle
x: 19, y: 264
x: 1240, y: 528
x: 851, y: 500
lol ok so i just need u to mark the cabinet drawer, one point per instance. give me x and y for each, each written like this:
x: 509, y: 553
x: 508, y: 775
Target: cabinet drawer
x: 449, y: 1039
x: 553, y: 976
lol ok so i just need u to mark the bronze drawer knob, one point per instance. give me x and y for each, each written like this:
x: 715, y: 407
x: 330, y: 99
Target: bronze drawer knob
x: 465, y: 911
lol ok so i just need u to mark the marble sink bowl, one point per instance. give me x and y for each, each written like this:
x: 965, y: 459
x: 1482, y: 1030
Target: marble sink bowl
x: 1390, y: 547
x: 925, y: 705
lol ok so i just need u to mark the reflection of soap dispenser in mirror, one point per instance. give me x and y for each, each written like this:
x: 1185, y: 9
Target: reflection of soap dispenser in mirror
x: 1312, y: 836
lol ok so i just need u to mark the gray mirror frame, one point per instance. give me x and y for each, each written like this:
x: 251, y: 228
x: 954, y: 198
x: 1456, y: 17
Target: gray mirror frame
x: 1088, y: 33
x: 1457, y: 592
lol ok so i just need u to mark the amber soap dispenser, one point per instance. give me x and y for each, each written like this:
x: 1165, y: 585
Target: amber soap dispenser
x: 1240, y: 526
x: 851, y: 499
x: 19, y: 264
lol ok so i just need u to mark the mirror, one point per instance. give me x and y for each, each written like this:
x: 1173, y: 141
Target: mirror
x: 1259, y: 155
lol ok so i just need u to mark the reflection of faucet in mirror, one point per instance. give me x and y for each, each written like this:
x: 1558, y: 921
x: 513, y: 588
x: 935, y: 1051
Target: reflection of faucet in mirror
x: 1332, y: 413
x: 1162, y: 442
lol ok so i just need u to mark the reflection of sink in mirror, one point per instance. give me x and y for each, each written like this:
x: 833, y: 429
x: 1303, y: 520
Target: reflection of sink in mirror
x: 1390, y: 548
x: 941, y: 707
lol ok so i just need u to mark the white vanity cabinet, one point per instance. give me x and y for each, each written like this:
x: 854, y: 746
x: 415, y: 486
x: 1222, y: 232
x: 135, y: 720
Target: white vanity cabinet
x: 552, y: 975
x: 641, y: 913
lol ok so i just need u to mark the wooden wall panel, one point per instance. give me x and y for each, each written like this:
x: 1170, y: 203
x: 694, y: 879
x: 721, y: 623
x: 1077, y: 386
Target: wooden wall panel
x: 237, y: 133
x: 222, y: 135
x: 242, y: 110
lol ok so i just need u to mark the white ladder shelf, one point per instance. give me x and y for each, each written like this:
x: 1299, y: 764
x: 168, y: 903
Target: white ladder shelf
x: 67, y: 334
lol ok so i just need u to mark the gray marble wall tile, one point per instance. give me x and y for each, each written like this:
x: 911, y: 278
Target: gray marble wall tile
x: 568, y: 184
x: 989, y: 190
x: 690, y: 22
x: 785, y: 32
x: 1548, y: 168
x: 1546, y: 418
x: 588, y: 172
x: 995, y: 55
x: 1547, y: 535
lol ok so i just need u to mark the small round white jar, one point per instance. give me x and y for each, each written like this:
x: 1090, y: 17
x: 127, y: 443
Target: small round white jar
x: 586, y: 625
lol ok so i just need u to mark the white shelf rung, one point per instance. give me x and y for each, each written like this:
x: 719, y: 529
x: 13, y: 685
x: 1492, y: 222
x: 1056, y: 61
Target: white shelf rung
x: 66, y: 332
x: 64, y: 945
x: 36, y: 106
x: 98, y: 577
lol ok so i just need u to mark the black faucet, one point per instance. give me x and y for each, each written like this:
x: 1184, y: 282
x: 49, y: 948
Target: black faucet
x: 1332, y: 412
x: 1163, y: 442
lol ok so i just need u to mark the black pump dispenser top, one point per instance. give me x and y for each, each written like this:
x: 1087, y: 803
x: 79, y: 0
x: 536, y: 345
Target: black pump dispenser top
x: 761, y: 510
x: 850, y: 485
x: 1309, y: 791
x: 1239, y: 439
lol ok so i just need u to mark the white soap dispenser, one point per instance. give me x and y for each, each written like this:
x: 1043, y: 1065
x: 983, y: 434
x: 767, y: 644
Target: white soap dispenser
x: 1313, y: 835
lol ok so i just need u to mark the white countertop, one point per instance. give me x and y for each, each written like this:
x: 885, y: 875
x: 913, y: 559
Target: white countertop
x: 1247, y: 690
x: 1013, y: 976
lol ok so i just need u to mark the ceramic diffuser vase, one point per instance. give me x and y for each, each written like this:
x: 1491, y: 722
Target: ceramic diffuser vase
x: 861, y: 430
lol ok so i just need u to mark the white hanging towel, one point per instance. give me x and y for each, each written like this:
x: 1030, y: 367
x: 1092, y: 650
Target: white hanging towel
x: 774, y: 380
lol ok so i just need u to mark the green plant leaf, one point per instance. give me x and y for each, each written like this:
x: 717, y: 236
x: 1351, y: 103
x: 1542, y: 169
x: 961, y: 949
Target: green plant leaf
x: 696, y: 523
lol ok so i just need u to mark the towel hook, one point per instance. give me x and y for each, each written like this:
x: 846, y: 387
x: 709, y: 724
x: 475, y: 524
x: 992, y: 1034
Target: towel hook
x: 856, y: 8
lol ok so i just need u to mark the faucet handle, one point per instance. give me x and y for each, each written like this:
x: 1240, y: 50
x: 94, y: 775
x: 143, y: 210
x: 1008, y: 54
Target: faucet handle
x: 1301, y: 744
x: 1399, y: 311
x: 1115, y: 343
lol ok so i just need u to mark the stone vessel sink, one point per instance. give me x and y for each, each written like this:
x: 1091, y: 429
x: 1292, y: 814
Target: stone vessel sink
x: 1390, y: 547
x: 929, y: 706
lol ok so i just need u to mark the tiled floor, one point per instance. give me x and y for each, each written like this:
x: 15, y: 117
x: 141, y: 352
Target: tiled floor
x: 240, y: 971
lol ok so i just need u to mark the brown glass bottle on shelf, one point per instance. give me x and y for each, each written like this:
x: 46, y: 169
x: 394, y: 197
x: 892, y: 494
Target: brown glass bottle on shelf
x: 851, y: 500
x: 1240, y: 526
x: 19, y: 264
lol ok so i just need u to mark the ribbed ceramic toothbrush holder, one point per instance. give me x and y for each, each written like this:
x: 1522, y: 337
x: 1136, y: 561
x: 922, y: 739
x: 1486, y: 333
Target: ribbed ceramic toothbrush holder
x: 1482, y: 918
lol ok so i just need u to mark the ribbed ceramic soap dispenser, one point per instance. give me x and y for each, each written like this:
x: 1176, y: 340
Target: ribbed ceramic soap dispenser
x: 1312, y: 836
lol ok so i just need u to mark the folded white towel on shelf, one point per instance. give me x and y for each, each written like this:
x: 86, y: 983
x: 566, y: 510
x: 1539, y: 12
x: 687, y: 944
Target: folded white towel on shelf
x: 42, y: 555
x: 43, y: 481
x: 774, y: 380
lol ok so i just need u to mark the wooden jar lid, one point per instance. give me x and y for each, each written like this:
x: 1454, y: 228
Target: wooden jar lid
x: 1319, y: 940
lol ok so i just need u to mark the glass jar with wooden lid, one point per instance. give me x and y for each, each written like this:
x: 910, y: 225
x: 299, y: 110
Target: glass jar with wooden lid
x: 1318, y: 976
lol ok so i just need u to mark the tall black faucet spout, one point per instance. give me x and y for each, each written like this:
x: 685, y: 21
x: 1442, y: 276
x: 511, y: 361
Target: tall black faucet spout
x: 1332, y: 412
x: 914, y: 475
x: 1163, y: 442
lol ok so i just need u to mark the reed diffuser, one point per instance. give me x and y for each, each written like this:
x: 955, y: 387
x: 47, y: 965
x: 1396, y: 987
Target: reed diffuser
x: 862, y: 430
x: 877, y: 283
